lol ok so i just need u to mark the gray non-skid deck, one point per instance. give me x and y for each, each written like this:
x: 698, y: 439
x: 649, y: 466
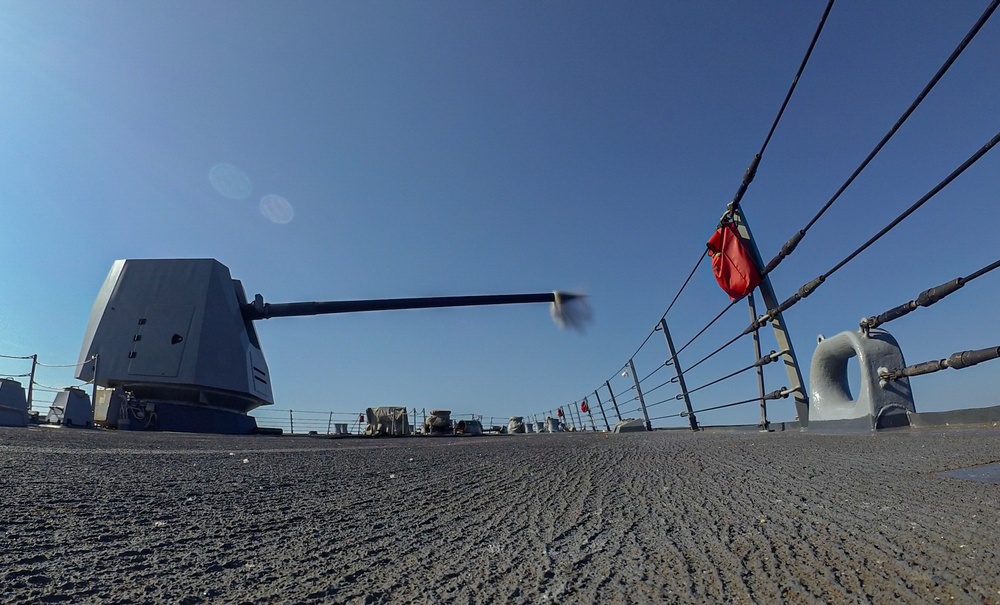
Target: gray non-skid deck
x: 795, y: 517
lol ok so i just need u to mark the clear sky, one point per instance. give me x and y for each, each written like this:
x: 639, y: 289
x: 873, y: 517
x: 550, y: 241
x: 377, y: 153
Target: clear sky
x: 349, y: 150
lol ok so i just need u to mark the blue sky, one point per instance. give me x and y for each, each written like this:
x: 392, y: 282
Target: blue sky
x: 398, y: 149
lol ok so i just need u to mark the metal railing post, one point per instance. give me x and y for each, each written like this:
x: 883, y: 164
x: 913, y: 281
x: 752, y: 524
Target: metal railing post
x: 593, y: 425
x: 614, y: 401
x: 600, y: 404
x: 291, y: 422
x: 93, y: 390
x: 680, y: 373
x: 579, y: 417
x: 796, y: 384
x: 638, y: 392
x: 31, y: 380
x: 764, y: 424
x: 329, y: 423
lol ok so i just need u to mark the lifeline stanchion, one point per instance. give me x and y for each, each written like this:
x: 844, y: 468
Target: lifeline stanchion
x: 93, y: 389
x: 579, y: 417
x: 680, y: 373
x: 781, y: 333
x: 638, y: 391
x: 614, y: 402
x: 600, y: 404
x: 31, y: 379
x: 593, y: 425
x: 764, y: 424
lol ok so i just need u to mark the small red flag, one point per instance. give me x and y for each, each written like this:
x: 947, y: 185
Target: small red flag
x: 559, y: 412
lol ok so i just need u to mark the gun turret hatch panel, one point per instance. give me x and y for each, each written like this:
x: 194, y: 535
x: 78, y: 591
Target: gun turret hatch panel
x: 158, y: 346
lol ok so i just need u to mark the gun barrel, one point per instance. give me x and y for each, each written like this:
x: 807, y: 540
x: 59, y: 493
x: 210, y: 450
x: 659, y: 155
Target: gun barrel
x: 258, y: 309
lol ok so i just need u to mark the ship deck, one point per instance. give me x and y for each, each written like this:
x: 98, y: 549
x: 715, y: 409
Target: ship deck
x: 709, y: 517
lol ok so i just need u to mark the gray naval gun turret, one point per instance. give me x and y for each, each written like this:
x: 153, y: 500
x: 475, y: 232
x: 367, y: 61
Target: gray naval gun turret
x: 175, y: 339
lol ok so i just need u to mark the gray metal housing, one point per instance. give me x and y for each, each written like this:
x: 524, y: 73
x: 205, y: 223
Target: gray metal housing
x: 71, y: 408
x: 172, y: 330
x: 831, y: 398
x: 13, y: 404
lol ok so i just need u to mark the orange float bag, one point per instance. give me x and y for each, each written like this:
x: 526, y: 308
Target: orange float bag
x: 732, y: 262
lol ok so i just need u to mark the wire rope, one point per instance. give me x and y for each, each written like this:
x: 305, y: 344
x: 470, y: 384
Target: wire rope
x: 667, y: 416
x: 731, y: 304
x: 810, y: 287
x: 660, y: 402
x: 658, y: 368
x: 701, y: 258
x: 47, y: 386
x: 659, y: 386
x: 790, y: 245
x: 715, y: 352
x: 65, y: 365
x: 752, y: 169
x: 779, y: 394
x: 924, y: 299
x: 718, y: 380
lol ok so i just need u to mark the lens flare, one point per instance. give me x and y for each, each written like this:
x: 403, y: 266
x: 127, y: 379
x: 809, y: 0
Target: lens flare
x: 276, y: 209
x: 229, y: 181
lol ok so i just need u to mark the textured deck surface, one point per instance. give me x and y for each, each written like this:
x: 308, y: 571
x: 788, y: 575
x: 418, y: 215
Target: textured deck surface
x: 644, y: 518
